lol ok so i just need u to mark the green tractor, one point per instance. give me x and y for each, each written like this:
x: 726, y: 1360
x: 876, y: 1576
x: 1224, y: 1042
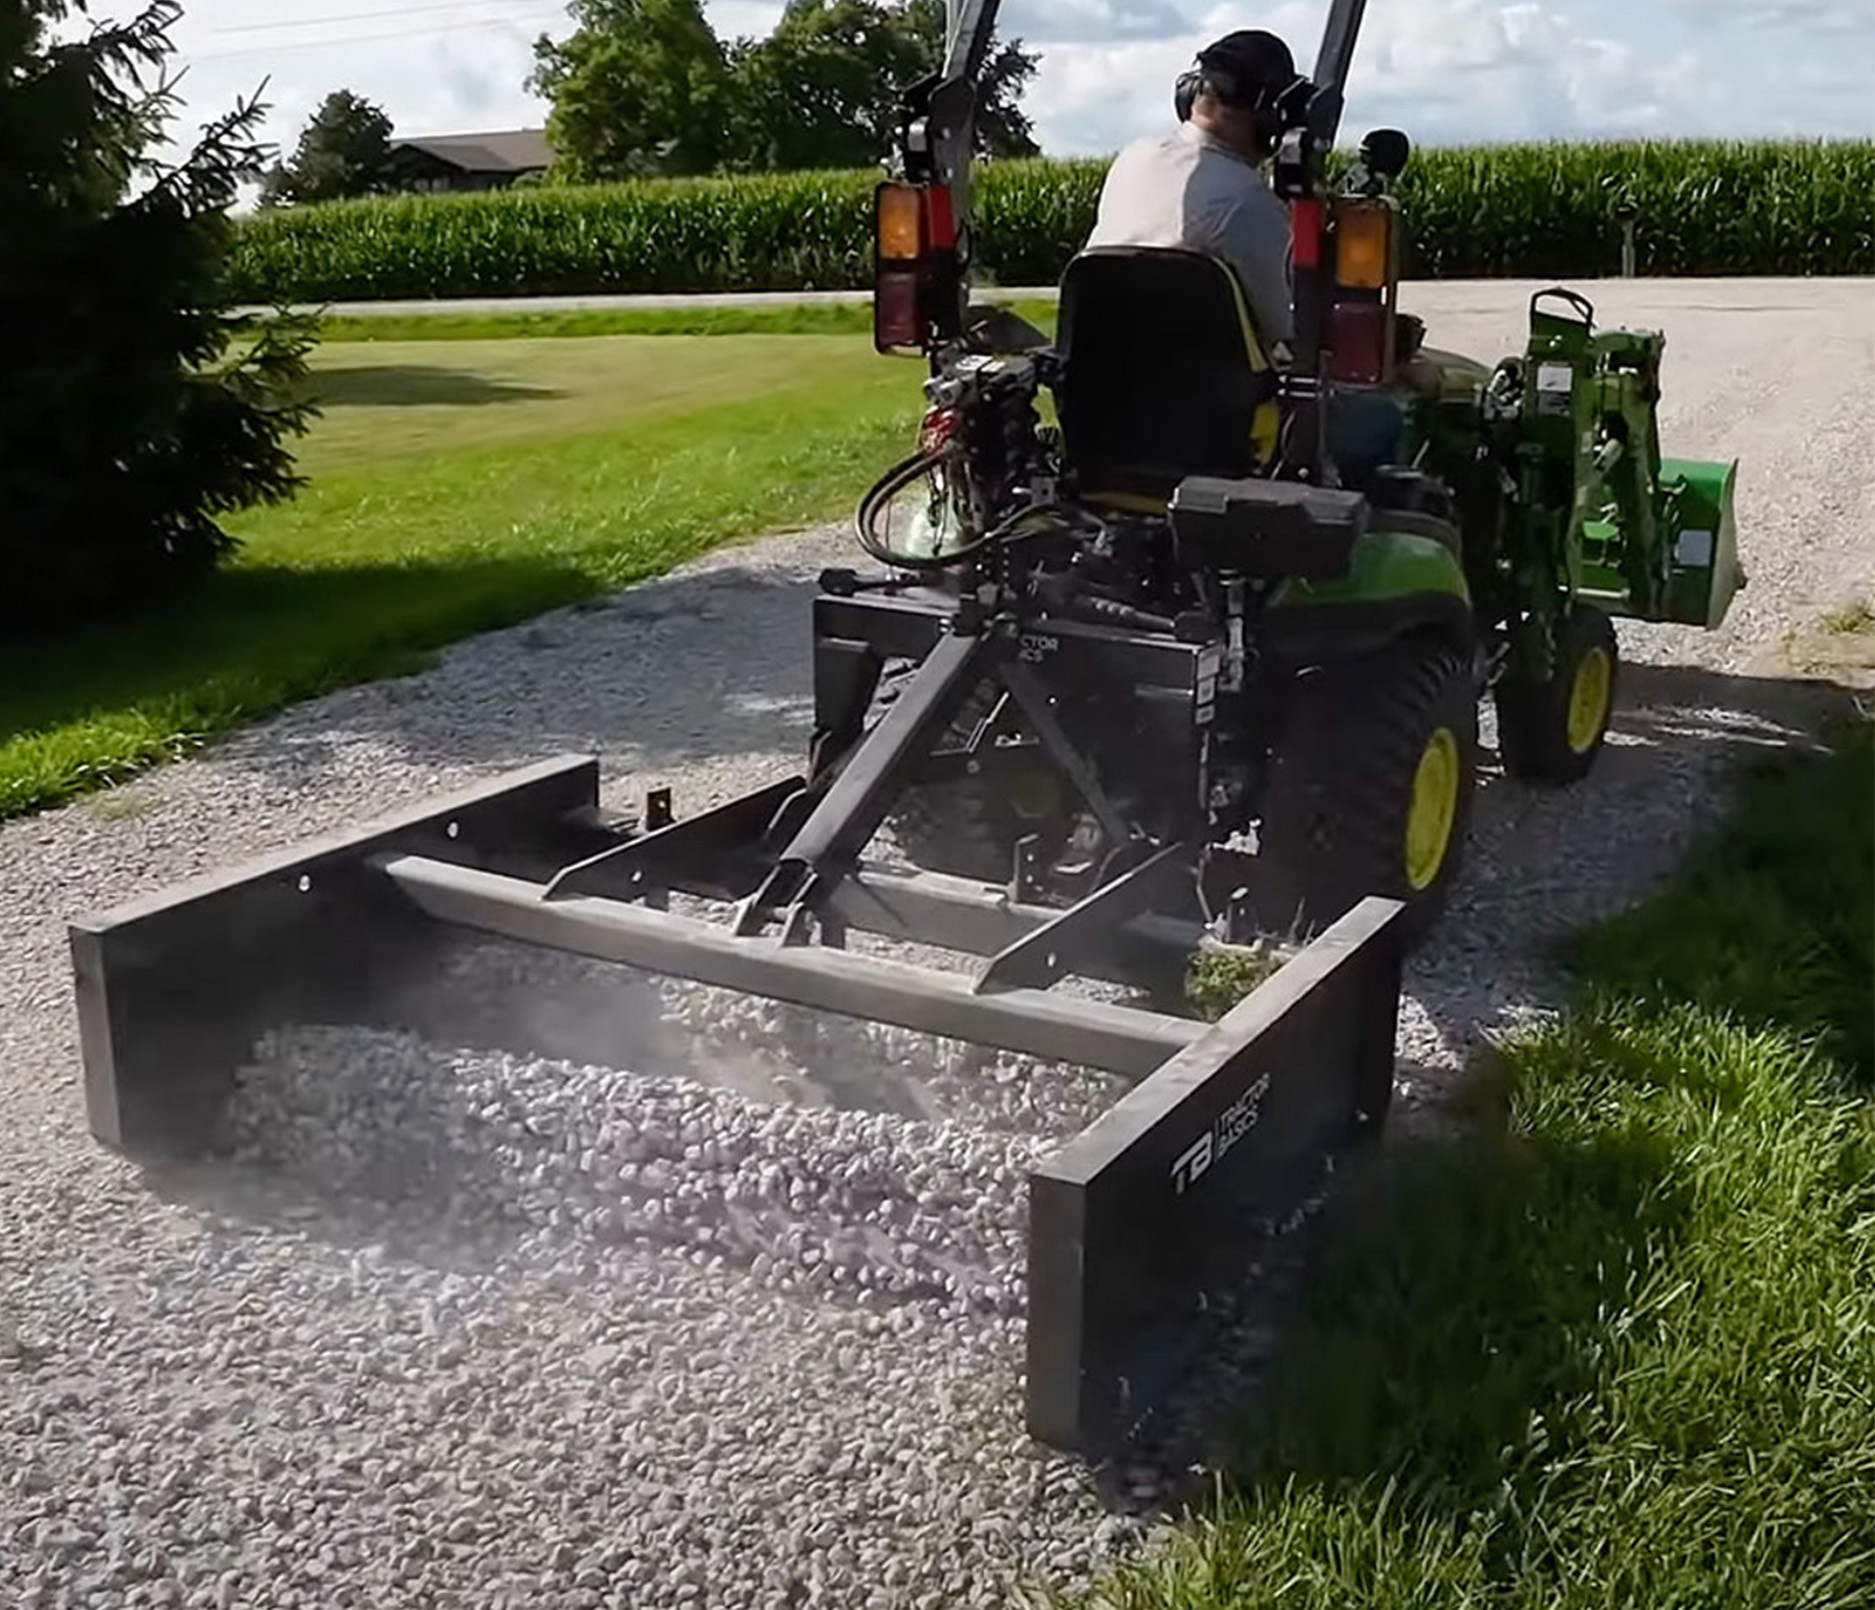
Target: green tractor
x: 1166, y: 660
x: 1229, y: 627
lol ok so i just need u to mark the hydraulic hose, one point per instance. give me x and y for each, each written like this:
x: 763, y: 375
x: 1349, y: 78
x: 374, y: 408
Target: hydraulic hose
x: 895, y: 480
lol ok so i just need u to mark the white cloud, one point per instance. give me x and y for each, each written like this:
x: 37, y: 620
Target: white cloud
x: 1830, y: 16
x: 1445, y: 70
x: 1452, y: 71
x: 1088, y: 21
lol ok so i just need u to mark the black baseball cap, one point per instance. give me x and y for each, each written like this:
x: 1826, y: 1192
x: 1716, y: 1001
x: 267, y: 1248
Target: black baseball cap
x: 1247, y: 68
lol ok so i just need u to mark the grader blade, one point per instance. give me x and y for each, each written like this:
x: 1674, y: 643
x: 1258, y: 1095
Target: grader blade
x: 1131, y: 1224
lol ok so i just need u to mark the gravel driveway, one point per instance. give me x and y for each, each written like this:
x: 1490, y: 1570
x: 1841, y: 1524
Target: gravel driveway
x: 476, y: 1329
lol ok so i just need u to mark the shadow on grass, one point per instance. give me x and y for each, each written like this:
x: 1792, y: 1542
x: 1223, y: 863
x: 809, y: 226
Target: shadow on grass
x: 1603, y: 1356
x: 1437, y: 1342
x: 103, y: 703
x: 1449, y: 1293
x: 1545, y: 863
x: 1772, y: 917
x: 400, y: 385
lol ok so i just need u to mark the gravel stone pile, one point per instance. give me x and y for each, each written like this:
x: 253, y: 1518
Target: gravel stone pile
x: 816, y: 1201
x: 729, y: 1315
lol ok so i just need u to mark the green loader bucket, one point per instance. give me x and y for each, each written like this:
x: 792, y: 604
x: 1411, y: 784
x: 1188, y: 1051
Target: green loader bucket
x: 1697, y: 518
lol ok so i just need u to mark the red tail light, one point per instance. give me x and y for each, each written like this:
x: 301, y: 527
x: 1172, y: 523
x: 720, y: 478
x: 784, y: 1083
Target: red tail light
x: 915, y: 267
x: 897, y: 325
x: 940, y: 228
x: 1357, y: 343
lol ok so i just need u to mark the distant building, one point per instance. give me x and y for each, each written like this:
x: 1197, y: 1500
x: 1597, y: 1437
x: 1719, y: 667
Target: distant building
x: 468, y: 161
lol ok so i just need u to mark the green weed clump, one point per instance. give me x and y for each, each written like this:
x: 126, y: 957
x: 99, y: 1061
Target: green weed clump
x: 1521, y: 211
x: 1218, y: 977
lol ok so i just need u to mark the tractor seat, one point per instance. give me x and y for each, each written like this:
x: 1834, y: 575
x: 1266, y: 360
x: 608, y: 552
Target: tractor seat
x: 1163, y: 376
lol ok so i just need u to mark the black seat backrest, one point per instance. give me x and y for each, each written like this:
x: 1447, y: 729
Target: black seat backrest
x: 1163, y: 374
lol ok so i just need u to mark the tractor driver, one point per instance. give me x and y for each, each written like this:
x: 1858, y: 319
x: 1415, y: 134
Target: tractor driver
x: 1201, y: 187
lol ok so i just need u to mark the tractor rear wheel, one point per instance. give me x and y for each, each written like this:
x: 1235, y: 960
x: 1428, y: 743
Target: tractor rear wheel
x: 1552, y: 731
x: 1370, y: 790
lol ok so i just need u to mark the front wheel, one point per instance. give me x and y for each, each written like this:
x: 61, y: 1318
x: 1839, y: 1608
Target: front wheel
x: 1552, y: 731
x: 1370, y: 790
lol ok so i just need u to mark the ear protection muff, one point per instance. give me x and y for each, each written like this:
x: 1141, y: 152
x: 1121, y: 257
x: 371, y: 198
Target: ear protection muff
x: 1261, y: 104
x: 1185, y: 92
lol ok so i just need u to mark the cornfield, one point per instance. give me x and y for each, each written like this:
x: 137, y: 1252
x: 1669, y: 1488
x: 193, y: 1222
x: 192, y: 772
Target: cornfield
x: 1521, y: 211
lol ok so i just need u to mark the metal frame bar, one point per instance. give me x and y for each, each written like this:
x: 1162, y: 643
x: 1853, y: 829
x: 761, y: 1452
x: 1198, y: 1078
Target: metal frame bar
x: 681, y: 854
x: 909, y: 626
x: 844, y: 818
x: 1335, y: 57
x: 1032, y: 700
x: 1122, y: 1040
x: 1049, y: 951
x: 1150, y: 952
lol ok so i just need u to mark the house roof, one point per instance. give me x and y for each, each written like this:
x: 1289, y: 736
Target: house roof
x: 504, y: 151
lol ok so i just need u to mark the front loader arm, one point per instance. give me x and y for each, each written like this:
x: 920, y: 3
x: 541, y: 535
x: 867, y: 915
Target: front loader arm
x: 1332, y: 62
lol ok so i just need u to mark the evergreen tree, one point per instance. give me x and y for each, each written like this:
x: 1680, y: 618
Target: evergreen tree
x: 136, y: 410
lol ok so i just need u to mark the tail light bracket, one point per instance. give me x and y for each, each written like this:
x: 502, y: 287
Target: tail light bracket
x: 1361, y: 246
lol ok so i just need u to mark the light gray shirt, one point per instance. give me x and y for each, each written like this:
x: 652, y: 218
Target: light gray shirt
x: 1185, y: 189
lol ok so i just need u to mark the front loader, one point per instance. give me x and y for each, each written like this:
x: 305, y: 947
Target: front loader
x: 1166, y: 683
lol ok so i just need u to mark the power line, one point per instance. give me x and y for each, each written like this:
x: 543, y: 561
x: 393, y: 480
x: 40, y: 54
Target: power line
x: 355, y: 16
x: 365, y: 39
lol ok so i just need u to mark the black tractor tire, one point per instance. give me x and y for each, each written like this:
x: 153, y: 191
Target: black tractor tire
x: 1553, y: 731
x: 1361, y: 739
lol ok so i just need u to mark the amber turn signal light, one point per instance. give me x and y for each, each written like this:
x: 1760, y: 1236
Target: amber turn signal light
x: 899, y: 215
x: 1363, y: 246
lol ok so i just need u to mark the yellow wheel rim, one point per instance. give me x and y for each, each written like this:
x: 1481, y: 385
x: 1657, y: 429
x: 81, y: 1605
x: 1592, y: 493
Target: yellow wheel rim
x: 1588, y: 700
x: 1434, y: 808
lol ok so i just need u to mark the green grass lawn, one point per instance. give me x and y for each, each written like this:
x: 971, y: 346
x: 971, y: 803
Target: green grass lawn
x: 456, y: 487
x: 774, y: 318
x: 1616, y: 1345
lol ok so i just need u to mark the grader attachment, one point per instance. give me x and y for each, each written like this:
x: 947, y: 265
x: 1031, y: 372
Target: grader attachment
x: 1132, y: 1225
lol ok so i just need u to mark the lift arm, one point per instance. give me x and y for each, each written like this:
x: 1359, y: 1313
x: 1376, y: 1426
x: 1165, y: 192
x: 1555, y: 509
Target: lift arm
x: 1332, y: 62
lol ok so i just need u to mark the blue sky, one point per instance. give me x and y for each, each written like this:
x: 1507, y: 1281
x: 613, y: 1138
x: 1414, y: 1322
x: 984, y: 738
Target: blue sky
x: 1445, y: 70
